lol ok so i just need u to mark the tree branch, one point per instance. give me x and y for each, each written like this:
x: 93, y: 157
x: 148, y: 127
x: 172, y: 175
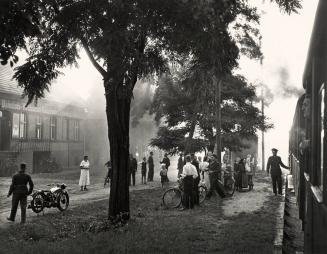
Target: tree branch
x: 92, y: 59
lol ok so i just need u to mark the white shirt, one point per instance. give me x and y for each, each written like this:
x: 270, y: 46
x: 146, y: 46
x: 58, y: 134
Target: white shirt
x: 204, y: 166
x: 190, y: 170
x: 85, y: 164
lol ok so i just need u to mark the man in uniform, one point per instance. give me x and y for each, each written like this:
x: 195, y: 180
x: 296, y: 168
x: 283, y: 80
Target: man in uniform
x: 151, y: 167
x: 273, y: 166
x: 19, y: 191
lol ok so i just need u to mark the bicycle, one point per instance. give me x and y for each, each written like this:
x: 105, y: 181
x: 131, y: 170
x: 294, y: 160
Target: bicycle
x: 172, y: 198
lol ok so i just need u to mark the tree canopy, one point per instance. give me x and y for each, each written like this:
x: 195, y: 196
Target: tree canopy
x: 125, y: 40
x: 185, y: 108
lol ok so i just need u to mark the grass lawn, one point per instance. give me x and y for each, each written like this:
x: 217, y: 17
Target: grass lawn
x: 151, y: 229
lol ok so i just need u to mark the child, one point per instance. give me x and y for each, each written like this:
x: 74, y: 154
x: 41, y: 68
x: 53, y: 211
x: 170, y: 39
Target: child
x: 163, y: 174
x: 143, y: 170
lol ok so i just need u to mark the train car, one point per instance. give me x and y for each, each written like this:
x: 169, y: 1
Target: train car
x: 308, y: 156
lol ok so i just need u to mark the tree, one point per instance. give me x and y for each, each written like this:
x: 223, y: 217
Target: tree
x: 185, y: 107
x: 124, y: 40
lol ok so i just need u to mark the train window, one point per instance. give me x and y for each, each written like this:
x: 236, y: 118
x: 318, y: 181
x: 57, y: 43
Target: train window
x: 322, y: 136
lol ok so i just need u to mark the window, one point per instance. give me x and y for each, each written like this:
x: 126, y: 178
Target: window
x: 22, y: 125
x: 15, y: 125
x: 53, y: 128
x: 76, y: 130
x: 19, y: 125
x: 65, y: 128
x: 38, y: 127
x: 322, y: 135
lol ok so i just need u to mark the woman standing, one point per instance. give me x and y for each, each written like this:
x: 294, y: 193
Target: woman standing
x: 84, y: 178
x: 249, y: 171
x: 204, y: 171
x: 243, y: 176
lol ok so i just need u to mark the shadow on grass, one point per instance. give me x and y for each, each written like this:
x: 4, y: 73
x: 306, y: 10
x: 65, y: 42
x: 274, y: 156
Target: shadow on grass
x: 152, y: 229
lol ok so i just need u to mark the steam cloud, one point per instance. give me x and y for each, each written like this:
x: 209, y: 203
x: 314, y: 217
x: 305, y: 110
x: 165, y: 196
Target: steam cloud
x: 285, y: 88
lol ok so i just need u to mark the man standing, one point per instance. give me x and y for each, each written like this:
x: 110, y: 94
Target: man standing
x: 195, y: 163
x: 189, y: 174
x: 214, y: 176
x: 180, y: 165
x: 273, y: 166
x: 166, y: 161
x: 132, y: 169
x: 151, y: 167
x: 19, y: 191
x: 84, y: 179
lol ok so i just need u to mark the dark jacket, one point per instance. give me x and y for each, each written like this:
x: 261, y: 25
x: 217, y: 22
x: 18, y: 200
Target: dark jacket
x: 133, y: 165
x: 166, y: 161
x: 143, y: 167
x: 150, y: 163
x: 273, y: 165
x: 180, y: 163
x: 19, y: 184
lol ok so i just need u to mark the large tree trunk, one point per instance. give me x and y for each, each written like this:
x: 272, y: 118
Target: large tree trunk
x: 118, y: 101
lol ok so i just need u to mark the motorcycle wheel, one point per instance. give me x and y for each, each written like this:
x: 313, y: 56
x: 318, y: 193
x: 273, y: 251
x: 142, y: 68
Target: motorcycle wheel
x: 37, y: 203
x: 63, y: 201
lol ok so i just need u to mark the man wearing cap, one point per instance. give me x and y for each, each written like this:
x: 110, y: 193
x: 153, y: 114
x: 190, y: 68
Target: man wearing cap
x: 19, y: 191
x: 273, y: 166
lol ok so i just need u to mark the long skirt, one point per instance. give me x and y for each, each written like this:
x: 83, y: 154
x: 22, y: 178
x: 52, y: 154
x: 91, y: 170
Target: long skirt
x: 84, y: 178
x: 244, y: 180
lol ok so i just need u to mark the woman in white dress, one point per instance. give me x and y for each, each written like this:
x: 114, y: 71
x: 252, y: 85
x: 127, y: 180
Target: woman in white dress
x: 84, y: 179
x: 204, y: 171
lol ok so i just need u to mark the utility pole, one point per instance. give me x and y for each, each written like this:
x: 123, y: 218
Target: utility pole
x: 218, y: 116
x: 262, y: 132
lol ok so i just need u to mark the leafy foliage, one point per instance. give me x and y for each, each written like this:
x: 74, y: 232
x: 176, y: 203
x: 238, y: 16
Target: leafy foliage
x: 186, y: 110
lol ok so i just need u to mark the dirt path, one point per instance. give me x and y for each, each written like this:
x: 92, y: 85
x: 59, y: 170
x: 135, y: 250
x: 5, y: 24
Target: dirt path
x: 95, y: 192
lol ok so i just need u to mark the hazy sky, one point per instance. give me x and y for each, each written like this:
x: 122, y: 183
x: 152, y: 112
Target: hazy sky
x: 284, y: 44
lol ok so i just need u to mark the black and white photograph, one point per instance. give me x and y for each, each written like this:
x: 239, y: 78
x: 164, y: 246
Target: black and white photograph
x: 163, y: 126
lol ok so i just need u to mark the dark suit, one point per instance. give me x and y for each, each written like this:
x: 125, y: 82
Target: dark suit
x: 273, y: 166
x: 19, y: 191
x: 151, y: 168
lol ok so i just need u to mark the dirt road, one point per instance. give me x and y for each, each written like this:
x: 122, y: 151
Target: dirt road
x: 95, y: 192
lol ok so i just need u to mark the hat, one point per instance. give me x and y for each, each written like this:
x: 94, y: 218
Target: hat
x: 274, y: 149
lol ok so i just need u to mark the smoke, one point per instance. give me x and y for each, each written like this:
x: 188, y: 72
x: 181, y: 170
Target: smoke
x: 143, y: 95
x: 285, y: 88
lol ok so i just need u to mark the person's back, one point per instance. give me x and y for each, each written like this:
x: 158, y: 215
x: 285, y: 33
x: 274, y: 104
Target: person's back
x: 19, y: 191
x: 20, y: 181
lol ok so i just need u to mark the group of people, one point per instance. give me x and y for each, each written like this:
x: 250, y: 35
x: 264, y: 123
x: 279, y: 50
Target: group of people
x: 191, y: 169
x: 244, y: 170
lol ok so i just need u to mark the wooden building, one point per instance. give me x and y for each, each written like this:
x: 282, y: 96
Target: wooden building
x: 43, y: 135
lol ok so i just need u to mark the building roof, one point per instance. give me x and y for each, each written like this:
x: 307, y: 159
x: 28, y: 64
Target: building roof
x: 7, y: 83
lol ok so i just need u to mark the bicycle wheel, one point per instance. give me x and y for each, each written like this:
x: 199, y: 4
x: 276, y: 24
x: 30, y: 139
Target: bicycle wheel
x: 172, y: 198
x: 202, y: 193
x: 230, y: 187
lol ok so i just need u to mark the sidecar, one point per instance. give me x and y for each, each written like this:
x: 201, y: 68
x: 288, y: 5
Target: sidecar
x: 55, y: 197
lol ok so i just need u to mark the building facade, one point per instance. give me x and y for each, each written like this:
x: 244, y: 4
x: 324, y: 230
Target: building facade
x: 47, y: 136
